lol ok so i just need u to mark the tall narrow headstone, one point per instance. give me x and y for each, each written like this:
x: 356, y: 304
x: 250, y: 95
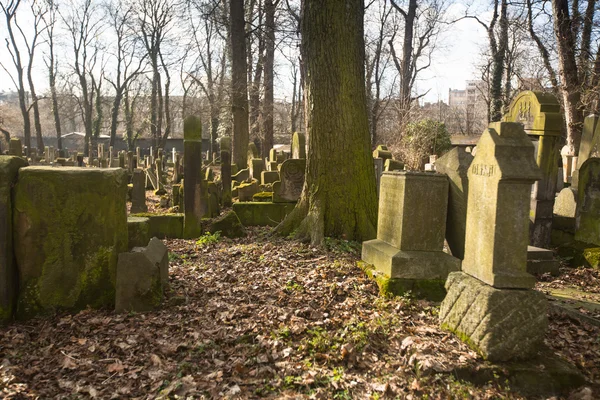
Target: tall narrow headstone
x: 590, y: 139
x: 15, y: 148
x: 298, y: 145
x: 138, y: 193
x: 194, y: 204
x: 488, y: 304
x: 541, y: 117
x: 587, y: 220
x: 225, y: 145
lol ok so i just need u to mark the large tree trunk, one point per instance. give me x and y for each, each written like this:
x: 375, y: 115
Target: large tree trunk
x: 567, y: 68
x: 339, y: 196
x: 269, y: 60
x: 55, y: 110
x: 499, y: 57
x: 114, y: 118
x: 239, y: 84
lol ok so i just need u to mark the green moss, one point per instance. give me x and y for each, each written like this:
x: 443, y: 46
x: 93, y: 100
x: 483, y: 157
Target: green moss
x: 192, y: 128
x: 463, y: 338
x: 73, y: 236
x: 262, y: 214
x: 263, y: 196
x: 164, y: 225
x: 139, y: 231
x: 229, y: 225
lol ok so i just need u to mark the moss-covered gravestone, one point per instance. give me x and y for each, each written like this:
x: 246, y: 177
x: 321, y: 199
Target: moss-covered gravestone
x: 289, y: 187
x: 70, y: 224
x: 542, y: 119
x: 411, y: 225
x: 298, y: 146
x: 194, y: 199
x: 455, y: 164
x: 587, y: 220
x: 488, y: 305
x: 9, y: 170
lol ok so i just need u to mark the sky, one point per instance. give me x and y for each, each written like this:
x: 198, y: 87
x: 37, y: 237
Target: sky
x: 452, y: 65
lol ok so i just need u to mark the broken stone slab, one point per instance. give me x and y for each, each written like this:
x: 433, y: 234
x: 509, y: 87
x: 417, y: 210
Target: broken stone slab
x: 241, y: 176
x: 247, y: 190
x: 541, y: 261
x: 142, y: 277
x: 269, y: 177
x: 229, y: 225
x: 9, y: 170
x: 138, y: 229
x: 500, y: 324
x: 70, y: 225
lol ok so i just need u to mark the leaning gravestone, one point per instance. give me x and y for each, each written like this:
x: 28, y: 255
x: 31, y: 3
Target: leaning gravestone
x: 408, y: 250
x: 587, y: 220
x: 69, y: 226
x: 9, y: 170
x: 289, y: 187
x: 298, y: 146
x: 195, y: 204
x: 541, y: 116
x: 455, y: 164
x: 488, y: 305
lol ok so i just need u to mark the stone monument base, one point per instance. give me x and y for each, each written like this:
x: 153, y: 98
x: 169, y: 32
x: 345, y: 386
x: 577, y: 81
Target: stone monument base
x: 500, y: 324
x: 422, y: 272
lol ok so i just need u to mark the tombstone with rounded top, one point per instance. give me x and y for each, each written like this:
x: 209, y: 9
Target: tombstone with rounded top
x: 298, y: 145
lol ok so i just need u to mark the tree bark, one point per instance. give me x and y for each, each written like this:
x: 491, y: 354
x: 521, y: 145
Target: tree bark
x: 570, y: 87
x: 339, y: 196
x: 498, y: 66
x: 270, y: 6
x: 239, y: 84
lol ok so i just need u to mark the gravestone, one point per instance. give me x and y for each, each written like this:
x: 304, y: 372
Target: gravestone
x: 382, y: 152
x: 256, y: 166
x: 268, y: 177
x: 242, y: 175
x: 411, y: 225
x: 9, y: 169
x: 298, y: 146
x: 455, y: 164
x: 15, y: 148
x: 289, y: 187
x: 226, y: 170
x: 541, y: 117
x: 590, y: 138
x: 587, y: 220
x: 565, y: 208
x: 142, y: 277
x: 378, y: 164
x: 138, y: 193
x: 393, y: 165
x: 487, y: 304
x: 195, y: 204
x: 70, y: 224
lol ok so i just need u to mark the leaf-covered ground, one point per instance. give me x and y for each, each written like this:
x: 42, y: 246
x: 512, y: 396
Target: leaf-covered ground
x: 261, y: 317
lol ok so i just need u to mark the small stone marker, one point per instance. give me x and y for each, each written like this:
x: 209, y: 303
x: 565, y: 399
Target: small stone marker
x: 493, y: 314
x: 587, y: 220
x: 455, y: 164
x: 298, y: 146
x: 289, y: 187
x: 80, y: 159
x: 411, y: 225
x: 15, y: 148
x: 142, y: 277
x: 194, y: 188
x: 138, y: 193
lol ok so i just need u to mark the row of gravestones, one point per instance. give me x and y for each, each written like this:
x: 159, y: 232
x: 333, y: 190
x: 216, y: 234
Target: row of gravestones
x: 489, y: 302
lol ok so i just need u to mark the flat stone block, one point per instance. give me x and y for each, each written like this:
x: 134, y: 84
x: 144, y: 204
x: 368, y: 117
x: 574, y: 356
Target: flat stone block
x: 142, y: 275
x: 164, y: 226
x: 500, y: 324
x: 70, y: 225
x: 396, y: 263
x: 139, y: 231
x: 262, y: 214
x: 537, y: 253
x: 269, y: 177
x: 229, y: 225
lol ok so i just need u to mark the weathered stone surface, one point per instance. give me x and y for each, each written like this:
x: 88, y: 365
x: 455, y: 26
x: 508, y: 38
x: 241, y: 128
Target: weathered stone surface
x: 138, y: 192
x: 194, y: 193
x: 247, y: 190
x: 164, y: 225
x: 142, y: 275
x: 9, y: 170
x: 15, y: 148
x: 590, y: 138
x: 455, y: 164
x: 229, y: 225
x: 298, y: 146
x: 138, y: 229
x: 70, y: 224
x: 412, y: 210
x: 580, y: 254
x: 262, y: 214
x: 291, y: 182
x: 269, y: 177
x: 263, y: 196
x: 226, y: 176
x: 242, y: 175
x: 256, y: 167
x: 500, y: 324
x: 497, y: 232
x: 541, y: 261
x: 382, y: 152
x: 587, y: 219
x: 565, y: 207
x: 393, y: 165
x: 541, y: 116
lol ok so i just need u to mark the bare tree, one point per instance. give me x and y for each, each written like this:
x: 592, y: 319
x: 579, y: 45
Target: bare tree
x: 267, y: 111
x: 239, y: 84
x: 50, y: 20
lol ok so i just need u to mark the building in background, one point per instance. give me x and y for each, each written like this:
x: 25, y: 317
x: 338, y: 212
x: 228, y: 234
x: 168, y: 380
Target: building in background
x: 469, y: 108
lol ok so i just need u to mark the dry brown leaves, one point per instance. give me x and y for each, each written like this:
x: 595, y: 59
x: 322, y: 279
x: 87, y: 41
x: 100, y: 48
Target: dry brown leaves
x: 249, y: 318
